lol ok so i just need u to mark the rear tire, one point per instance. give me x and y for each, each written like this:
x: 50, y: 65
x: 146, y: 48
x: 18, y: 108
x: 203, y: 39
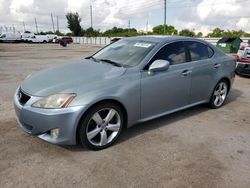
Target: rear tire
x: 219, y: 95
x: 101, y: 126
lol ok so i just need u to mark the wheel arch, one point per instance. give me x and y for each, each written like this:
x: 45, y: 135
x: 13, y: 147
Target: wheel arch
x: 223, y: 78
x: 227, y: 81
x: 117, y: 102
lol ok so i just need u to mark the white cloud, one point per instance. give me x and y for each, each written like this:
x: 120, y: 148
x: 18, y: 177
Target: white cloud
x: 16, y: 8
x: 200, y: 15
x: 219, y: 8
x: 77, y: 6
x: 243, y: 23
x: 225, y: 14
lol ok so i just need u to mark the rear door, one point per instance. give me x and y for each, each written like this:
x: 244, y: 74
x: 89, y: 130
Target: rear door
x: 203, y: 70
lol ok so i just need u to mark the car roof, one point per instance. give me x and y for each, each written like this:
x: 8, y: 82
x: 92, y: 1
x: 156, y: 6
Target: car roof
x: 159, y: 38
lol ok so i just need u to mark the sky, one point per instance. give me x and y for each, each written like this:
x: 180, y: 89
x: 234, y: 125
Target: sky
x: 197, y: 15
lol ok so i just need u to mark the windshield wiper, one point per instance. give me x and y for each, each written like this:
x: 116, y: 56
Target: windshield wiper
x: 111, y: 62
x: 91, y: 57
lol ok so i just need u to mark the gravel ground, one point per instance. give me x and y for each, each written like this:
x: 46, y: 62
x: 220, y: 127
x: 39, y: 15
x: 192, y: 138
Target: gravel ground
x: 198, y: 147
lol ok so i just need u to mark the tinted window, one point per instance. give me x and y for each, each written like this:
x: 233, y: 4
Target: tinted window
x: 199, y: 51
x: 210, y: 52
x: 174, y: 53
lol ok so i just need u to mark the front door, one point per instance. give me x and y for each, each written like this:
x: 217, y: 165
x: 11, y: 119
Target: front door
x: 168, y: 90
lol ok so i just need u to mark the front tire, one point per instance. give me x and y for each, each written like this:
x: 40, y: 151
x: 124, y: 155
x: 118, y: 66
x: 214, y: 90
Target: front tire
x: 219, y: 94
x: 101, y: 126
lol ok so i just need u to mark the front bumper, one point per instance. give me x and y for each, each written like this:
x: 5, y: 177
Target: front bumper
x: 243, y: 69
x: 39, y: 122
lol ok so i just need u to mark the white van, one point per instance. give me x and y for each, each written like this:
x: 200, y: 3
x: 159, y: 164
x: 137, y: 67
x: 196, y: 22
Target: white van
x: 38, y: 39
x: 10, y: 37
x: 26, y: 36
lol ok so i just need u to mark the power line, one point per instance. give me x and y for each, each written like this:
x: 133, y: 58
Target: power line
x: 207, y: 4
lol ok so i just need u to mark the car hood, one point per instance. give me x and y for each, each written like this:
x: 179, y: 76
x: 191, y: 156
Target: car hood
x: 69, y: 77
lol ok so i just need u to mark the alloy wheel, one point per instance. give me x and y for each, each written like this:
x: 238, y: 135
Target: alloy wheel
x: 103, y: 127
x: 220, y: 94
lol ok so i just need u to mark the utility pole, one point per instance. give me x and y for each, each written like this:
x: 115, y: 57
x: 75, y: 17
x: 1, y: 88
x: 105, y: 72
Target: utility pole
x: 57, y: 23
x: 24, y: 29
x: 165, y: 15
x: 36, y: 26
x: 53, y: 23
x: 147, y: 27
x: 128, y: 26
x: 91, y: 17
x: 14, y: 29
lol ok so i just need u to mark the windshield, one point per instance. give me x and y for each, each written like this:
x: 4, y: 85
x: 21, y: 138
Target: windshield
x: 125, y: 52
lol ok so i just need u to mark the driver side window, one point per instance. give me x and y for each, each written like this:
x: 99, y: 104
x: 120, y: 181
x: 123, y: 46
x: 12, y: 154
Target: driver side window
x: 175, y: 53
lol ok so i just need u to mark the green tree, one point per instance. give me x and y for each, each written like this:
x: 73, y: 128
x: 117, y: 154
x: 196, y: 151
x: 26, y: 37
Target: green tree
x: 233, y: 33
x: 90, y: 32
x: 59, y: 33
x: 74, y: 23
x: 120, y: 32
x: 187, y: 32
x: 246, y: 35
x: 217, y: 32
x: 69, y: 34
x: 170, y: 30
x: 199, y: 34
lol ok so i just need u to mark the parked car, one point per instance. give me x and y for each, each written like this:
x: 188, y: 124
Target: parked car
x: 38, y: 39
x: 56, y: 39
x: 60, y: 39
x: 10, y: 37
x: 243, y: 61
x: 128, y: 82
x: 51, y: 37
x: 68, y: 39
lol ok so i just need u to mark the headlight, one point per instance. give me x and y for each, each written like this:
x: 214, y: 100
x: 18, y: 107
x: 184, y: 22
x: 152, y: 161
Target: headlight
x: 60, y: 100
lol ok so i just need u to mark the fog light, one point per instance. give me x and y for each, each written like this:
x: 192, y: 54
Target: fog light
x: 54, y: 133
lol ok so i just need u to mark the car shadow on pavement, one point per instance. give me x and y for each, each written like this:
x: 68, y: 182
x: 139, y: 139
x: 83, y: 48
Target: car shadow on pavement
x: 171, y: 118
x: 233, y: 95
x: 162, y: 121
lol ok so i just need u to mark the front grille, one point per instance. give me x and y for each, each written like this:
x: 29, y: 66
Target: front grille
x: 22, y: 97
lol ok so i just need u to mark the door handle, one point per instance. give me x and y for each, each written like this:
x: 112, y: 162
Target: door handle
x: 217, y: 65
x: 186, y: 72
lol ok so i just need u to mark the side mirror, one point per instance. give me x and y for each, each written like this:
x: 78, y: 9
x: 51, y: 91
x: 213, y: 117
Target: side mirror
x: 158, y: 65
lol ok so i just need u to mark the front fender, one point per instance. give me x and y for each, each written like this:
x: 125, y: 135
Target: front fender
x: 125, y: 90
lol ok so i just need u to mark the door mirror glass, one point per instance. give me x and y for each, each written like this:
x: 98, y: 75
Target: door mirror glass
x: 158, y: 65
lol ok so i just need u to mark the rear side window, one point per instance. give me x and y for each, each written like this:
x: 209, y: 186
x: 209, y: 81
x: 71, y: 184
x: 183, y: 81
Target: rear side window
x: 210, y: 52
x: 175, y: 53
x: 199, y: 51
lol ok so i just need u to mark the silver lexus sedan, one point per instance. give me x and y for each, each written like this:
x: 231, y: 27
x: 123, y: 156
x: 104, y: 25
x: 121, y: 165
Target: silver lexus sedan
x: 128, y: 82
